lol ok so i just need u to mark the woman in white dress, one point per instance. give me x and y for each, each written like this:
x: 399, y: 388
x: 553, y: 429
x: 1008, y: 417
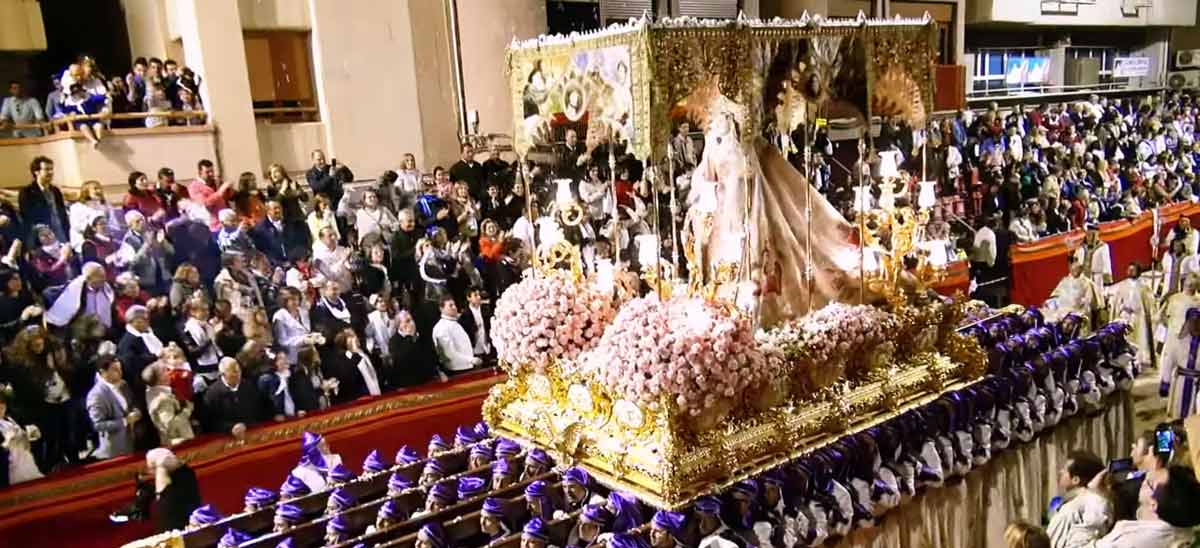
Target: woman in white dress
x: 91, y: 204
x: 408, y: 183
x: 16, y: 440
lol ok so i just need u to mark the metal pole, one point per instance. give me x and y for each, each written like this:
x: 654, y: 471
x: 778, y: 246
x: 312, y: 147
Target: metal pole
x: 657, y: 233
x: 675, y: 240
x: 862, y: 223
x: 616, y: 209
x: 529, y: 208
x: 460, y: 88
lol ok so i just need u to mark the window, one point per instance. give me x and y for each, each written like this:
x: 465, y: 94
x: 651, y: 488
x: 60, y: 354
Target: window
x: 281, y: 75
x: 991, y: 69
x: 1107, y: 56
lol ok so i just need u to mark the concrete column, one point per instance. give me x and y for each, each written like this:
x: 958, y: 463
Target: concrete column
x: 212, y: 41
x: 485, y: 29
x: 146, y: 22
x: 384, y: 83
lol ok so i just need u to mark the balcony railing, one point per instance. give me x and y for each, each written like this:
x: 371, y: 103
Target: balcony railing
x: 66, y: 124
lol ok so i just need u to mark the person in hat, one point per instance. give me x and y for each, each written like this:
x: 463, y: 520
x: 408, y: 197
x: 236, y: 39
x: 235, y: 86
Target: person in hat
x: 374, y: 463
x: 668, y: 529
x: 204, y: 516
x: 577, y: 489
x: 339, y: 475
x: 433, y: 472
x: 339, y: 501
x: 390, y: 514
x: 437, y: 446
x: 537, y: 499
x: 1179, y: 379
x: 337, y: 530
x: 407, y: 455
x: 712, y: 530
x: 535, y: 535
x: 441, y: 497
x: 481, y: 455
x: 315, y: 461
x: 398, y: 483
x: 773, y: 525
x: 493, y: 520
x: 233, y: 538
x: 470, y: 487
x: 507, y: 449
x: 258, y: 498
x: 592, y: 527
x: 293, y: 488
x: 431, y: 535
x: 628, y: 541
x: 626, y: 511
x: 287, y: 516
x: 537, y: 462
x: 465, y: 437
x: 503, y: 474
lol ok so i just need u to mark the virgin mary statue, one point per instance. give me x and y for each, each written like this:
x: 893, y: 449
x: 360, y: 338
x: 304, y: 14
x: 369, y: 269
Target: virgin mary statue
x: 752, y: 211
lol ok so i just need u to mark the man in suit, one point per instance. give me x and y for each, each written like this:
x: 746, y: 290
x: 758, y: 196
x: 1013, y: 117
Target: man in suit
x: 467, y: 170
x: 42, y: 203
x: 138, y: 347
x: 273, y: 236
x: 327, y: 178
x: 476, y: 320
x: 231, y: 404
x: 112, y: 411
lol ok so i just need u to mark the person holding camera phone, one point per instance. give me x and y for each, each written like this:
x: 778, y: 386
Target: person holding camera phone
x: 1127, y: 475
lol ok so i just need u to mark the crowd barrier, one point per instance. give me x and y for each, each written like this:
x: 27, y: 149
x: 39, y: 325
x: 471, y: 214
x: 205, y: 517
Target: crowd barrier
x: 1038, y: 266
x: 78, y: 502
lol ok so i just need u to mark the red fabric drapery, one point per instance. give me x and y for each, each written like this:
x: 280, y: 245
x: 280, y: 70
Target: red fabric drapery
x: 1038, y: 266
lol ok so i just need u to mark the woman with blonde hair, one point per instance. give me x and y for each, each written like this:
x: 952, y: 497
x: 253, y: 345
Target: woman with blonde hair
x: 288, y: 193
x: 1021, y: 534
x: 91, y: 204
x: 186, y: 285
x: 322, y: 216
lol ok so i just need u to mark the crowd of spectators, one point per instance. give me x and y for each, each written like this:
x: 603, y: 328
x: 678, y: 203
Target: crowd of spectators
x: 212, y: 304
x: 1014, y: 175
x: 1145, y: 499
x: 152, y: 86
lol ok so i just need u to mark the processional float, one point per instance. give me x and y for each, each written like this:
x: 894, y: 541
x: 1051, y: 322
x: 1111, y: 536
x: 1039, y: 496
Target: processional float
x: 763, y: 324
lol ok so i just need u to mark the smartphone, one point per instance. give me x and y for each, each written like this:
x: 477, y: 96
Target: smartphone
x: 1164, y: 440
x: 1117, y: 466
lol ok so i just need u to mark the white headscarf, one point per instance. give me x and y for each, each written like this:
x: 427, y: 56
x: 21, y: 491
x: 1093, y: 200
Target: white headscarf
x: 66, y: 306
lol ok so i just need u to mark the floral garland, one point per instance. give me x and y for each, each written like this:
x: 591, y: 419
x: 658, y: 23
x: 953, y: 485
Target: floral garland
x: 542, y: 319
x: 831, y: 334
x: 696, y: 353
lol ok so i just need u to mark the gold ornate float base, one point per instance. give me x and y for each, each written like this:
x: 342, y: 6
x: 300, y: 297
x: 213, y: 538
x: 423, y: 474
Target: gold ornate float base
x: 669, y: 461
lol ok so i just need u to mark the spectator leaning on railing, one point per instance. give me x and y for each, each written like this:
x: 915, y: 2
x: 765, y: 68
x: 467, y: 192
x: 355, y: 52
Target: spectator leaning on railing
x: 21, y: 110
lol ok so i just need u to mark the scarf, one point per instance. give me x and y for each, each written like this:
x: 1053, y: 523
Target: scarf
x: 72, y: 298
x: 153, y: 345
x: 339, y: 311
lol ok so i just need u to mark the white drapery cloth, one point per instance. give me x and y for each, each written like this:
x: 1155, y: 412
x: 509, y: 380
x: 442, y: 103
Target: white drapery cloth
x: 1016, y: 484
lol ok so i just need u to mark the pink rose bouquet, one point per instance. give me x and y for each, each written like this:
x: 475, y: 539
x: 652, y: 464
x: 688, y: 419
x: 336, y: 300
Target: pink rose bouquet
x: 696, y: 353
x: 830, y: 337
x: 545, y: 318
